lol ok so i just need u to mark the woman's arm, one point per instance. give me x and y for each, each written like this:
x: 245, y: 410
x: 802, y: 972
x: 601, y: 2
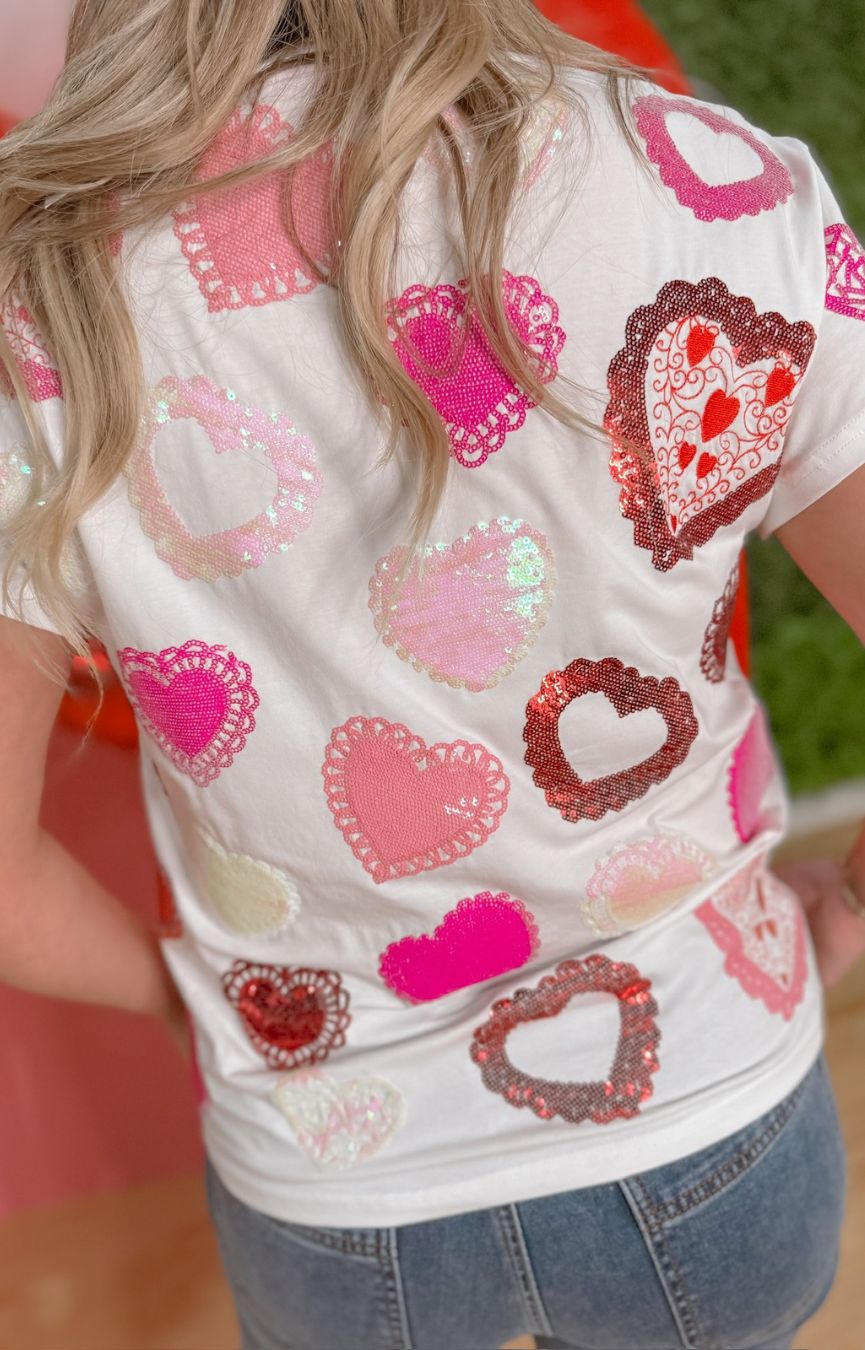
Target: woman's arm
x: 61, y: 932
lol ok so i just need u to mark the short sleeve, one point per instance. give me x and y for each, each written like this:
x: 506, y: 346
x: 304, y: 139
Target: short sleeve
x: 825, y: 440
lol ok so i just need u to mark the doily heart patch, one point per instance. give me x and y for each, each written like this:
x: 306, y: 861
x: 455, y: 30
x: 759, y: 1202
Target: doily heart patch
x: 639, y: 881
x: 339, y: 1124
x: 719, y: 201
x: 845, y: 280
x: 404, y: 807
x: 293, y: 1016
x: 629, y: 692
x: 247, y: 895
x: 474, y: 607
x: 700, y: 398
x: 230, y: 426
x: 757, y: 922
x: 485, y: 936
x: 751, y: 771
x: 235, y: 239
x: 31, y: 354
x: 442, y: 345
x: 197, y: 702
x: 629, y: 1081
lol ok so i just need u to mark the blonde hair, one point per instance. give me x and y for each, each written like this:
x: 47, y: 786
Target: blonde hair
x: 145, y: 89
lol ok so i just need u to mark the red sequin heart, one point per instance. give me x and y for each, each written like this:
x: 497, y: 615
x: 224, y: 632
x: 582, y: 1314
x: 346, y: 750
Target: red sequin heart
x: 720, y: 412
x: 292, y: 1016
x: 700, y: 342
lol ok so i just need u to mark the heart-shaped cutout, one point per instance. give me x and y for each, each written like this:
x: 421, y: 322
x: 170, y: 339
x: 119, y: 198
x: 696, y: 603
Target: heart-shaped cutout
x: 339, y: 1124
x: 757, y: 922
x: 476, y: 607
x: 485, y: 936
x: 638, y: 882
x: 443, y: 347
x: 229, y: 425
x: 845, y: 262
x: 721, y: 201
x: 629, y: 692
x: 30, y: 351
x: 235, y: 240
x: 658, y: 401
x: 713, y: 656
x: 196, y: 701
x: 628, y: 1083
x: 248, y: 896
x: 751, y: 771
x: 293, y: 1016
x: 404, y: 807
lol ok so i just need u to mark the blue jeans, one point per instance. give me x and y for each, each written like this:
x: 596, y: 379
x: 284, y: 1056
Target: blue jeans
x: 731, y: 1248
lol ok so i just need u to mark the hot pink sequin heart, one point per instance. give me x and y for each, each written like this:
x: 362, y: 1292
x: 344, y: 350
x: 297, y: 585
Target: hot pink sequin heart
x: 751, y: 771
x: 404, y: 807
x: 235, y: 240
x: 197, y: 702
x: 480, y: 605
x: 845, y: 281
x: 484, y: 936
x: 443, y: 347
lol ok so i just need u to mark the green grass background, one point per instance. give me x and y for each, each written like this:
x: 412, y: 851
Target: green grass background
x: 796, y: 68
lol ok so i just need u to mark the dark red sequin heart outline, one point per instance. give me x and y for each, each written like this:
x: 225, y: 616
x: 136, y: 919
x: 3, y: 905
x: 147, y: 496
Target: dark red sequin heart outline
x: 629, y: 692
x: 753, y: 337
x: 628, y: 1083
x: 713, y: 656
x: 320, y: 1010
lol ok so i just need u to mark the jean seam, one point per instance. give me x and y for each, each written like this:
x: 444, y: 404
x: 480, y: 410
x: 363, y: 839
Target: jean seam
x: 669, y: 1275
x: 511, y: 1229
x: 395, y: 1305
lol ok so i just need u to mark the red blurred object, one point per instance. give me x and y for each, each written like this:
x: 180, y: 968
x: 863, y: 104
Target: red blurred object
x: 619, y: 26
x: 80, y: 710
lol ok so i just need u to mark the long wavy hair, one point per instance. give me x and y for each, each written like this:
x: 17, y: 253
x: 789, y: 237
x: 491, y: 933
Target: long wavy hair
x: 145, y: 89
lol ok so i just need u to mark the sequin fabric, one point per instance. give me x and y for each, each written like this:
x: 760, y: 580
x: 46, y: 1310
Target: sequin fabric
x: 752, y: 769
x: 700, y: 397
x: 629, y: 692
x: 16, y: 476
x: 629, y: 1081
x: 547, y: 125
x: 230, y: 426
x: 293, y: 1016
x: 170, y: 924
x: 469, y: 611
x: 845, y: 279
x: 485, y: 936
x: 340, y: 1124
x: 713, y: 657
x: 404, y: 807
x: 30, y: 351
x: 757, y: 923
x: 723, y: 201
x: 237, y: 241
x: 638, y: 881
x: 246, y: 895
x: 442, y: 345
x: 197, y: 702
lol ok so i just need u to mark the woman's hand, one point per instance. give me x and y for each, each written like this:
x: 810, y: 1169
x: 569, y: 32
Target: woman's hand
x: 838, y: 934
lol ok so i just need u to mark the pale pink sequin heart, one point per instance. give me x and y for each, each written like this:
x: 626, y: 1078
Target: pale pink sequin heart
x: 197, y: 702
x: 339, y: 1124
x: 31, y: 355
x: 474, y: 607
x: 757, y: 922
x: 845, y: 263
x: 404, y: 807
x: 724, y: 201
x: 236, y: 240
x: 442, y: 345
x: 639, y: 881
x: 485, y: 936
x: 751, y: 771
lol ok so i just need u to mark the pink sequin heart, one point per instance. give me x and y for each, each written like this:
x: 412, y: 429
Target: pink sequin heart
x: 845, y: 263
x: 475, y: 609
x: 197, y: 702
x: 31, y: 354
x: 443, y: 347
x: 751, y: 771
x: 404, y: 807
x: 484, y: 936
x: 639, y: 881
x: 235, y: 240
x: 339, y: 1124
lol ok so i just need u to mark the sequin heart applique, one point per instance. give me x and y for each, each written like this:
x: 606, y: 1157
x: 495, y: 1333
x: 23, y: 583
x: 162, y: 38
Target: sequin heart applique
x: 475, y: 608
x: 31, y: 355
x: 229, y: 425
x: 629, y: 692
x: 713, y: 656
x: 751, y: 771
x: 293, y: 1016
x: 639, y: 881
x: 235, y: 240
x: 16, y: 475
x: 627, y: 1085
x: 845, y: 281
x: 757, y: 922
x: 197, y: 702
x: 722, y: 201
x: 700, y: 397
x: 485, y: 936
x: 404, y: 807
x: 247, y: 895
x: 339, y: 1124
x: 443, y: 347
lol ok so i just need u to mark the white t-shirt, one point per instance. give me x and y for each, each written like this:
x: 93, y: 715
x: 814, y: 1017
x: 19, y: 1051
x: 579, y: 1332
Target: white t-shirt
x: 473, y: 886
